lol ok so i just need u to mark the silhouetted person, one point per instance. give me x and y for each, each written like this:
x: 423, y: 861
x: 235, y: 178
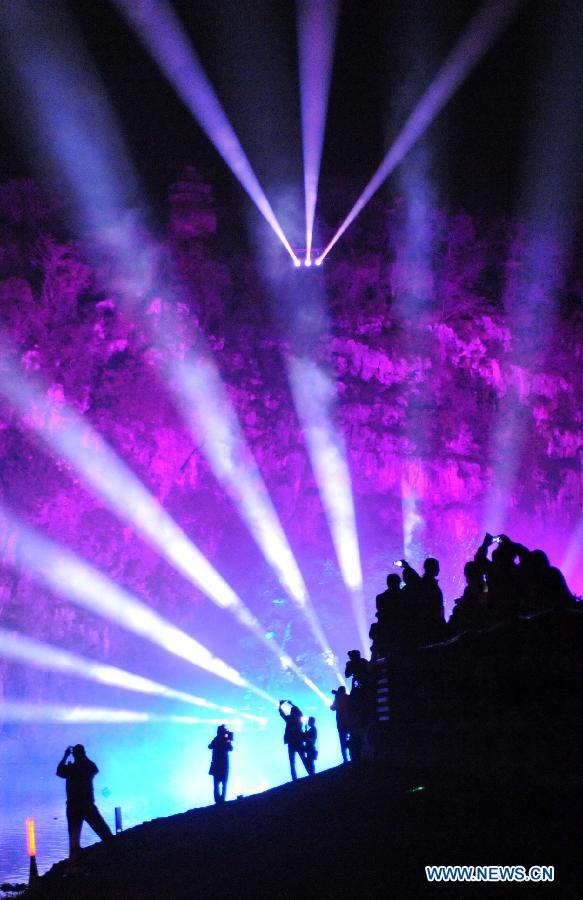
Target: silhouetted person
x: 471, y: 610
x: 221, y: 745
x: 341, y: 706
x: 386, y: 601
x: 425, y: 599
x: 544, y: 586
x: 310, y: 745
x: 357, y: 669
x: 432, y: 593
x: 411, y: 617
x: 79, y: 772
x: 360, y: 702
x: 387, y: 632
x: 503, y: 576
x: 293, y: 736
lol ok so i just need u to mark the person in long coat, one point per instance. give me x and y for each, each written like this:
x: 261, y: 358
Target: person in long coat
x: 221, y: 745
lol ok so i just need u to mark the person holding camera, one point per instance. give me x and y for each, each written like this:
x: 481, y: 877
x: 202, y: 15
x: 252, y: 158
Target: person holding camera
x: 79, y: 771
x: 221, y: 745
x: 293, y: 736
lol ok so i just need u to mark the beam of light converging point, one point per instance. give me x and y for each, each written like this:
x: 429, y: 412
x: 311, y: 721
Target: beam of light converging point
x: 78, y: 152
x: 481, y: 33
x: 74, y: 439
x: 210, y: 414
x: 313, y: 393
x: 73, y: 578
x: 316, y: 21
x: 20, y: 711
x: 158, y: 28
x: 18, y: 647
x: 85, y: 164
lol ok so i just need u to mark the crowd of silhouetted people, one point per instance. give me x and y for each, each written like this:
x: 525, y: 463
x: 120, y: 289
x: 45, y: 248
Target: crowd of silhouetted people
x: 511, y: 581
x: 410, y: 613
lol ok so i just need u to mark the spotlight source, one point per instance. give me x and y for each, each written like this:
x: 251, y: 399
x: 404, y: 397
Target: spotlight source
x: 306, y: 257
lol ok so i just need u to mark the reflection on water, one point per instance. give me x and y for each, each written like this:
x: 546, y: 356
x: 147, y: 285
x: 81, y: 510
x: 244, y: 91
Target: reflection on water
x: 46, y: 805
x: 29, y: 789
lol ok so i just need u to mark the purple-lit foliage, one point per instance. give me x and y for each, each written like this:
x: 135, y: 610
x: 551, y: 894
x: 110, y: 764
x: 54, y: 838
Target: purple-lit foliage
x: 447, y: 371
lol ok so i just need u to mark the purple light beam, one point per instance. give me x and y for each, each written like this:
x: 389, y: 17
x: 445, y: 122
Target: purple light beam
x: 73, y: 438
x: 483, y: 30
x: 159, y: 30
x: 316, y: 23
x: 72, y: 117
x: 72, y: 577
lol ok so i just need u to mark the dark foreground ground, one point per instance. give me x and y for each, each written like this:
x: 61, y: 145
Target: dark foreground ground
x: 355, y: 832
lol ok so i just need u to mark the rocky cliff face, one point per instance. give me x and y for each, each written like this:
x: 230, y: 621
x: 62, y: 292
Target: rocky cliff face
x: 452, y: 403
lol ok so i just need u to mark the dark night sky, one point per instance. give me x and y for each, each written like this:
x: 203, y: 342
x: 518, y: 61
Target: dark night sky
x: 386, y: 55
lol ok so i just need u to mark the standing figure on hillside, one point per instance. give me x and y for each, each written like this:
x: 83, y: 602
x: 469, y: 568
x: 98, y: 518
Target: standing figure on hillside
x: 79, y: 772
x: 293, y: 736
x: 429, y: 620
x: 387, y: 633
x: 221, y: 745
x: 341, y: 706
x: 504, y: 575
x: 357, y: 668
x: 310, y: 745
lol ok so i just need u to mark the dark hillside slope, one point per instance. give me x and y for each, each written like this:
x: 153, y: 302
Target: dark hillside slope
x: 349, y: 832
